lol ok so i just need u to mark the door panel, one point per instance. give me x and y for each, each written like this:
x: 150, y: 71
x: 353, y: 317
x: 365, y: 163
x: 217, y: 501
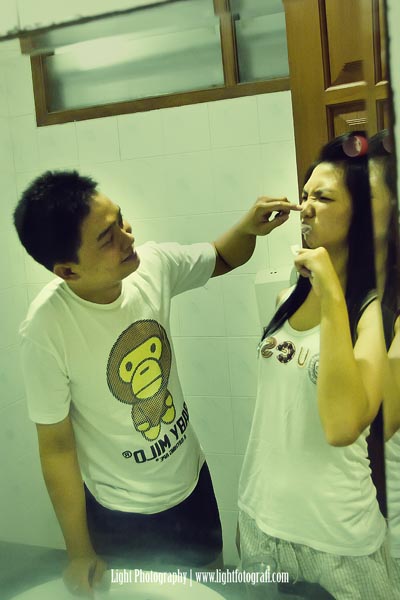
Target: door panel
x: 337, y: 61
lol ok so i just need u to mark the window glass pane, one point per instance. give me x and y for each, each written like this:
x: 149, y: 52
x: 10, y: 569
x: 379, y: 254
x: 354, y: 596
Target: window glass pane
x: 152, y: 52
x: 261, y: 39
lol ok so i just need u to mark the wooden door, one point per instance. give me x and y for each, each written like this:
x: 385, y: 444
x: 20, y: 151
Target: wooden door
x: 338, y: 71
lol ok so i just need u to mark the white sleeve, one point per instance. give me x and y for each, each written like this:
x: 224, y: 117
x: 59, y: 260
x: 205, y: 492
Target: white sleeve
x: 46, y: 383
x: 189, y: 266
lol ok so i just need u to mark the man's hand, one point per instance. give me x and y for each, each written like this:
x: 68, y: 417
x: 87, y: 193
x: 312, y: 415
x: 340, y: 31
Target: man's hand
x: 259, y: 219
x: 236, y: 246
x: 84, y: 574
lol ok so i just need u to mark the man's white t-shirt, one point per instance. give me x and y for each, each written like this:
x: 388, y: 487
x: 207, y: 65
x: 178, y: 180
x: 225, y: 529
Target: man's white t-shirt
x: 112, y: 368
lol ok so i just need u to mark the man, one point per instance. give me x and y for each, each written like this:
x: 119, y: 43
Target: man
x: 102, y: 384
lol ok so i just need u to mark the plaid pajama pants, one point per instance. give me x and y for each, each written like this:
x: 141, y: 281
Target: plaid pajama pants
x: 345, y: 577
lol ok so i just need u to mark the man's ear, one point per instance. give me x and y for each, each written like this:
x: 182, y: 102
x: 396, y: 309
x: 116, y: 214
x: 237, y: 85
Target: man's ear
x: 66, y: 272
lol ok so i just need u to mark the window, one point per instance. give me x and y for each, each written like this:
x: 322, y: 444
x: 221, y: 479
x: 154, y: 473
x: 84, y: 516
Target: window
x: 169, y: 54
x: 260, y: 32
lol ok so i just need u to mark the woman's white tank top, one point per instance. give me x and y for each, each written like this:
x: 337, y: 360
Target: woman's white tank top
x: 392, y: 469
x: 293, y: 483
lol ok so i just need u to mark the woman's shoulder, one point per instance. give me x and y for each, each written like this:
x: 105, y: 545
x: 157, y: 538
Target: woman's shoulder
x: 370, y: 314
x: 284, y: 295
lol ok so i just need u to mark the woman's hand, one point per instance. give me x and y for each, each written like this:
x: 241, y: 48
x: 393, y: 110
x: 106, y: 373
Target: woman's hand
x: 317, y: 266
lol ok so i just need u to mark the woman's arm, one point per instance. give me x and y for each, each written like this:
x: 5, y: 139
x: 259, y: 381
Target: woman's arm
x: 349, y: 380
x: 349, y: 385
x: 391, y: 402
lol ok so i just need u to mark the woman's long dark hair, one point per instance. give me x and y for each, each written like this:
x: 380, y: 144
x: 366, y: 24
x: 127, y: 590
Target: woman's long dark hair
x: 361, y: 278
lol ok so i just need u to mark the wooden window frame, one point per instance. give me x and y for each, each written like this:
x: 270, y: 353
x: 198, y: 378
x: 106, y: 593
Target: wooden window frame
x: 231, y: 88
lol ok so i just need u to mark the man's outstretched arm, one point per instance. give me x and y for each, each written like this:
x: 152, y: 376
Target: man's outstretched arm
x: 236, y: 246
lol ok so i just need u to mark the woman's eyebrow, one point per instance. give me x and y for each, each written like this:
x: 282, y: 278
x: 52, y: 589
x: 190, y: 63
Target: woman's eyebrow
x: 319, y: 193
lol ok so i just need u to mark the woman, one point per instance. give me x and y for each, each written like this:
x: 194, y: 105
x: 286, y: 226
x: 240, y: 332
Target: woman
x: 382, y: 174
x: 382, y: 169
x: 305, y: 494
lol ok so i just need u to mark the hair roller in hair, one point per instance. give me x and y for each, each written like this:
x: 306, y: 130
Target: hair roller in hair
x: 355, y: 146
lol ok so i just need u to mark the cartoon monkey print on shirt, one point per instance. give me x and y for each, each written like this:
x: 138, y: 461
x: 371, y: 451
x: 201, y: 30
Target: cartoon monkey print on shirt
x: 137, y: 374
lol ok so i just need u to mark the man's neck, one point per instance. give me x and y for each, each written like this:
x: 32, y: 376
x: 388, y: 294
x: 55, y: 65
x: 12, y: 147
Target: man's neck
x: 98, y: 296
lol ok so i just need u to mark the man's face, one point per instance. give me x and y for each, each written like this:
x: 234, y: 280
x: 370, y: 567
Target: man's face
x: 106, y: 254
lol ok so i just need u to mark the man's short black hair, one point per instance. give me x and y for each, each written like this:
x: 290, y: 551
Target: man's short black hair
x: 49, y: 215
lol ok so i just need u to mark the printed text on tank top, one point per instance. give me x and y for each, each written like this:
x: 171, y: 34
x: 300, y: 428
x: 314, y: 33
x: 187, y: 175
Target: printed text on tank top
x: 286, y: 352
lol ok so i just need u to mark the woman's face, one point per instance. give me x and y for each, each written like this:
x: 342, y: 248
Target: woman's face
x: 381, y: 200
x: 326, y: 208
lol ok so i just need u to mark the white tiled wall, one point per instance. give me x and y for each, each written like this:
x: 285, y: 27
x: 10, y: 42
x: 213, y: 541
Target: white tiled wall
x: 182, y: 174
